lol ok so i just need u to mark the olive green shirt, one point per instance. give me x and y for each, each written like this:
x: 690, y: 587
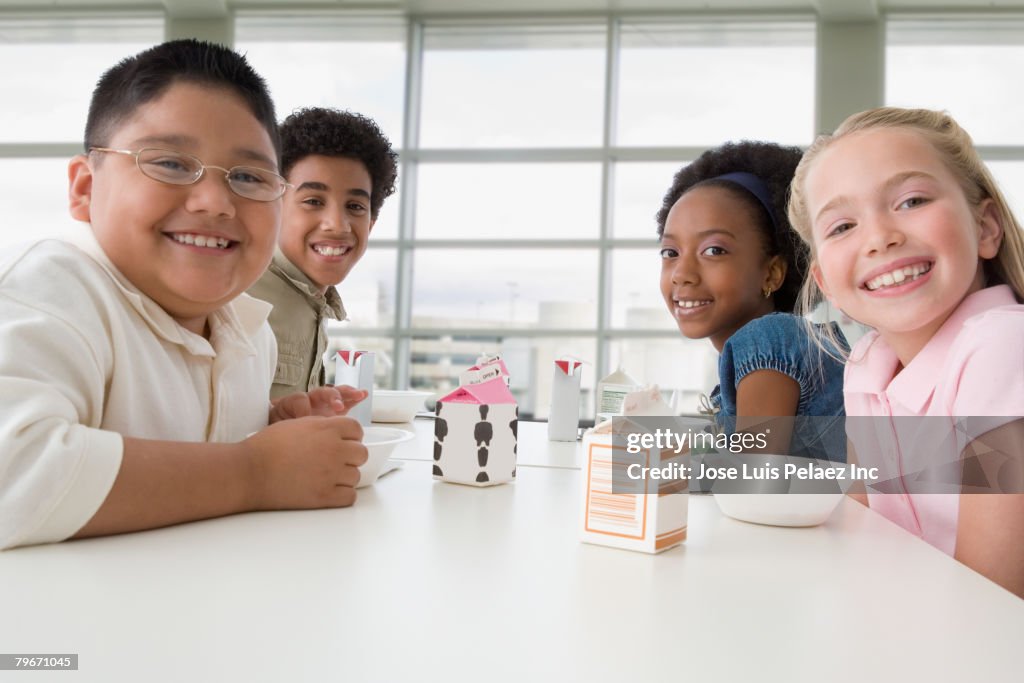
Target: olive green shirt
x: 299, y: 321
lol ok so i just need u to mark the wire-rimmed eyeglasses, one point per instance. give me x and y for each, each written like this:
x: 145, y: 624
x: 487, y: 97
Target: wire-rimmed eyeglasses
x: 178, y: 168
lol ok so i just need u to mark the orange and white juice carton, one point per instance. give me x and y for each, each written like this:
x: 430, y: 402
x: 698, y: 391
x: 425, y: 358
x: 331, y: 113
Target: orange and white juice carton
x: 623, y: 505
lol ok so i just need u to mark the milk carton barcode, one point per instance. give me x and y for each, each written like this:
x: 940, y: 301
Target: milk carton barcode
x: 609, y: 512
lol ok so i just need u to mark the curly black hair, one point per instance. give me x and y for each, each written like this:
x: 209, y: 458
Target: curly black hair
x: 775, y: 166
x: 334, y: 133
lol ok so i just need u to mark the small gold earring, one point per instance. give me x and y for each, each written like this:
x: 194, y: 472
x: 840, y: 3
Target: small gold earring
x: 767, y: 292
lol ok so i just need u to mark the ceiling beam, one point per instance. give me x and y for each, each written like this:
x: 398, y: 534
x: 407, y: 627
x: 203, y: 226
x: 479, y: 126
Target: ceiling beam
x: 195, y: 9
x: 847, y: 10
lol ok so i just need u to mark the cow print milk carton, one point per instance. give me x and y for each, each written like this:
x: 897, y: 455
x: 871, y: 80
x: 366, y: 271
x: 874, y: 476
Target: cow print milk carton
x: 475, y: 430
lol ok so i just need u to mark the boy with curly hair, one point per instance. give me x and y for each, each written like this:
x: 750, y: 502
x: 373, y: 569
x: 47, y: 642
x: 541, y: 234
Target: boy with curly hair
x: 340, y: 167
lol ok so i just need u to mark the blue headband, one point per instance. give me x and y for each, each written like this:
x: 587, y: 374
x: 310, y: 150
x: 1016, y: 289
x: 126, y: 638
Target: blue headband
x: 755, y: 186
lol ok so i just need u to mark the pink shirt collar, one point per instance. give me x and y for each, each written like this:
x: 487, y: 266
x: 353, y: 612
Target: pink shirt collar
x: 876, y: 361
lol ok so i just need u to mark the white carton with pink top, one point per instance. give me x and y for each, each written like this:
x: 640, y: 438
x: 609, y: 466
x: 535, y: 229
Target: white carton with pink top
x: 475, y: 430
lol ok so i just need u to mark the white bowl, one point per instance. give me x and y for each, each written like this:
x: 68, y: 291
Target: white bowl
x: 779, y: 509
x: 792, y: 501
x: 379, y: 442
x: 397, y: 406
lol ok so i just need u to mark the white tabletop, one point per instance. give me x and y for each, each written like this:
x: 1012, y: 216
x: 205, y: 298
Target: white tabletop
x: 429, y: 581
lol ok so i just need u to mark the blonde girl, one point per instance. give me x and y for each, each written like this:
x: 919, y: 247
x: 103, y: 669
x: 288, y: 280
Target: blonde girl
x: 910, y: 235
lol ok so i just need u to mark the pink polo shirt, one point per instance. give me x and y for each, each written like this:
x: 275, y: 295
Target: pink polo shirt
x: 968, y: 379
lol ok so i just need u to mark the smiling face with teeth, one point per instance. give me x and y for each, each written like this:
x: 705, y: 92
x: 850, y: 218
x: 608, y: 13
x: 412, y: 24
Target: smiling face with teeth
x: 326, y: 223
x: 897, y: 246
x: 190, y: 248
x: 715, y: 264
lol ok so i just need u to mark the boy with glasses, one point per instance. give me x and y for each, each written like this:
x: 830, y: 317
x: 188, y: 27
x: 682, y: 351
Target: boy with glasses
x: 340, y: 168
x: 134, y: 372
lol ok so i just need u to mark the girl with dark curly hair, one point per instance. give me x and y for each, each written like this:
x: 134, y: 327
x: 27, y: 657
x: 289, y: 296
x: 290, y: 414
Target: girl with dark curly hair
x: 732, y: 269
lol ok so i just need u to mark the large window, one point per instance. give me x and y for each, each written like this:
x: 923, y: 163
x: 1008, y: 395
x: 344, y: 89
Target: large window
x: 505, y: 85
x: 535, y: 154
x: 503, y: 200
x: 43, y: 118
x: 346, y: 61
x: 703, y: 83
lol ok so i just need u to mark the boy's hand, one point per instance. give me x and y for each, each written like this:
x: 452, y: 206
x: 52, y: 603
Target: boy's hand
x: 324, y: 401
x: 306, y: 462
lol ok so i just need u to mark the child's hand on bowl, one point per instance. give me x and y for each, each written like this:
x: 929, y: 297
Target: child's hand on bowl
x: 329, y: 401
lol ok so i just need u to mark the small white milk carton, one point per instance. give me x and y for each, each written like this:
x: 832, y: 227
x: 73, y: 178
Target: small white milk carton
x: 475, y: 431
x: 355, y: 368
x: 611, y: 390
x: 620, y: 509
x: 564, y: 416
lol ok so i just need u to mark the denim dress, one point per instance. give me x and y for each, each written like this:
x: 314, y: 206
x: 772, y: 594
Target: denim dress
x: 782, y: 342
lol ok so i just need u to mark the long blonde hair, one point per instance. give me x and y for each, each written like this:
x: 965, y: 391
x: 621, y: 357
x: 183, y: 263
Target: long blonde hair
x: 956, y: 149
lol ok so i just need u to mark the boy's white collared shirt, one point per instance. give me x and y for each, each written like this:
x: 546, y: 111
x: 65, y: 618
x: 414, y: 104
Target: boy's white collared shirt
x: 85, y: 358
